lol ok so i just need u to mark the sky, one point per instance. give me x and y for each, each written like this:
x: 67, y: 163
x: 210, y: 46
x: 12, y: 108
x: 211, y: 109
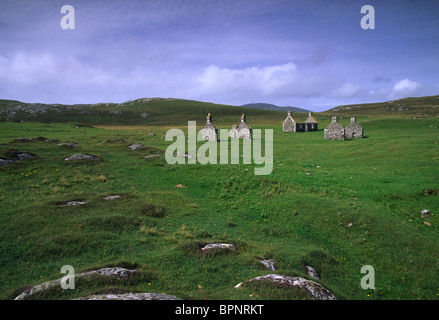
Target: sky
x: 309, y: 54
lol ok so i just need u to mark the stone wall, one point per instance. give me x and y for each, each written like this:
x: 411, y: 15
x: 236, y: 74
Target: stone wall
x: 290, y: 125
x: 209, y: 132
x: 334, y: 131
x: 242, y: 131
x: 353, y: 129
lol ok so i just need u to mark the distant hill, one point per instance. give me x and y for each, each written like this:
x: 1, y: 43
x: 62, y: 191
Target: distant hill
x: 416, y: 107
x: 143, y: 111
x: 268, y: 106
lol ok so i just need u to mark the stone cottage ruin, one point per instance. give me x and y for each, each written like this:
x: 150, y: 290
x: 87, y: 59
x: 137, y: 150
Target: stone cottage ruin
x: 209, y: 132
x: 241, y: 131
x: 335, y: 131
x: 290, y: 125
x: 353, y: 129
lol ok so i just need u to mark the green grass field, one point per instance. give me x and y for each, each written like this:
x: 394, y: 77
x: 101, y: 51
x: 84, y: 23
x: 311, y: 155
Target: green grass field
x: 332, y: 205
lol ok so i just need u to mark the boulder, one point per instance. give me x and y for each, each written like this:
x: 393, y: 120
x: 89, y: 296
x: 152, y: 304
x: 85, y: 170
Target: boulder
x: 131, y: 296
x: 4, y: 162
x: 81, y: 156
x: 114, y: 271
x: 425, y: 213
x: 111, y: 197
x: 269, y: 264
x: 136, y: 146
x: 315, y: 290
x: 217, y: 246
x: 312, y: 272
x: 24, y: 156
x: 69, y: 145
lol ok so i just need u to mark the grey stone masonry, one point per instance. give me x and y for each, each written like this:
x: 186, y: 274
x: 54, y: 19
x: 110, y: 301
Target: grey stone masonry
x: 335, y: 131
x: 311, y: 122
x: 209, y: 132
x: 241, y: 131
x: 290, y: 125
x: 353, y: 129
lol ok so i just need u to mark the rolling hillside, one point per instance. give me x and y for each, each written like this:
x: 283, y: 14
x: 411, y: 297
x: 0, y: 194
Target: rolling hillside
x: 419, y: 107
x: 268, y: 106
x: 144, y: 111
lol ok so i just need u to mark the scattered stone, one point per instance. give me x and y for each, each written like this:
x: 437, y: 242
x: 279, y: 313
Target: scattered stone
x: 312, y: 272
x: 24, y: 156
x: 151, y: 156
x: 214, y: 246
x: 16, y: 156
x: 349, y: 224
x: 112, y: 197
x: 81, y: 156
x: 74, y: 203
x: 131, y: 296
x: 116, y: 271
x: 113, y: 271
x: 427, y: 223
x: 269, y: 264
x: 308, y: 174
x: 151, y: 134
x: 69, y: 145
x: 136, y: 146
x: 180, y: 186
x: 313, y: 289
x: 425, y: 214
x: 4, y: 162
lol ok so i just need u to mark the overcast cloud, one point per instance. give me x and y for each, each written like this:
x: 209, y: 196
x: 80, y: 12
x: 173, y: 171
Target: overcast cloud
x: 310, y: 54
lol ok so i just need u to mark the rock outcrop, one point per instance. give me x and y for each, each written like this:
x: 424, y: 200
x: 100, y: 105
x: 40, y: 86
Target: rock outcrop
x: 314, y: 290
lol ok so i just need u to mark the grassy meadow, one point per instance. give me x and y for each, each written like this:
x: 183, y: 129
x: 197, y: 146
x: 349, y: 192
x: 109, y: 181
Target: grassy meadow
x: 332, y: 205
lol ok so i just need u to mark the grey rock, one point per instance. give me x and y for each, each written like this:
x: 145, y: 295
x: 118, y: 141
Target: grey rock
x: 74, y: 203
x: 131, y: 296
x: 269, y: 264
x: 315, y: 290
x: 70, y: 145
x: 136, y: 146
x: 425, y: 213
x: 4, y: 162
x: 116, y: 196
x: 115, y: 271
x: 24, y: 156
x: 312, y: 272
x: 214, y: 246
x: 81, y: 156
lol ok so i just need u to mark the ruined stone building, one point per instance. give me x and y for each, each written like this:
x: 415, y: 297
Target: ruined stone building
x: 311, y: 122
x: 209, y: 132
x: 353, y: 129
x: 335, y: 130
x: 241, y: 131
x: 290, y: 125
